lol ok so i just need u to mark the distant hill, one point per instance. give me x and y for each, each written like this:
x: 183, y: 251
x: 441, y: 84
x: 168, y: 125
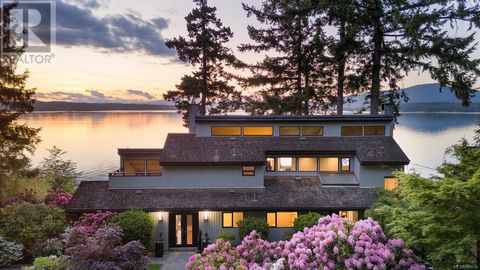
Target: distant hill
x: 427, y: 98
x: 71, y: 106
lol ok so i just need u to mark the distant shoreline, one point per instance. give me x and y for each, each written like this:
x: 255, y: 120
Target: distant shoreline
x: 56, y: 106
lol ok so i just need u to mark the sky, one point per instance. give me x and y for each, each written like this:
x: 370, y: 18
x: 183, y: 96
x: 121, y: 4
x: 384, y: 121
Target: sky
x: 114, y: 51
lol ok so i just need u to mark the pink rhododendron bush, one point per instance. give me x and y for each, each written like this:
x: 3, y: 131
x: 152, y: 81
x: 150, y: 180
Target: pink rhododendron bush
x: 333, y: 243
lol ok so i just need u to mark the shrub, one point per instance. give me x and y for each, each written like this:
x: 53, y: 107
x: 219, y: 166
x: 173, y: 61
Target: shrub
x: 29, y: 195
x: 103, y: 250
x: 9, y: 252
x: 50, y: 263
x: 219, y: 255
x: 306, y: 220
x: 226, y: 236
x: 58, y: 197
x: 91, y: 222
x: 29, y: 223
x: 53, y: 246
x: 249, y: 224
x: 135, y: 225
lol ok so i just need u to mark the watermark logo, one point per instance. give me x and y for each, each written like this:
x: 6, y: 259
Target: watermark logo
x: 29, y: 26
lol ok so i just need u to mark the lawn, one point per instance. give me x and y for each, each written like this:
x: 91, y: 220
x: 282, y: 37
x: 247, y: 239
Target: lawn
x: 155, y: 267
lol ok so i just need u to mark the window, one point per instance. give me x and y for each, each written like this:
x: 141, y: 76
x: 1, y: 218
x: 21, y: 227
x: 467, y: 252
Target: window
x: 390, y: 183
x: 257, y: 131
x: 345, y: 164
x: 351, y: 131
x: 287, y: 164
x: 226, y: 131
x: 307, y: 164
x: 231, y: 219
x: 272, y: 219
x: 134, y: 166
x: 312, y: 131
x: 329, y: 164
x: 374, y: 130
x: 248, y: 170
x: 153, y: 167
x: 286, y: 219
x: 290, y: 131
x: 349, y: 215
x: 270, y: 164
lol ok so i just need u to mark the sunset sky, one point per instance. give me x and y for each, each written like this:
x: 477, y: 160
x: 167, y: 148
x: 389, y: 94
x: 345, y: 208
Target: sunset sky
x: 113, y: 50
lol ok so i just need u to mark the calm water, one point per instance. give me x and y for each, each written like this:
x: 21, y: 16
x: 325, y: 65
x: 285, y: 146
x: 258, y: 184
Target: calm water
x: 91, y: 139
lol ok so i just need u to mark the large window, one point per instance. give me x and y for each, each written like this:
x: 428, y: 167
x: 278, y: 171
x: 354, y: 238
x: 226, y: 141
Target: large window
x: 248, y: 170
x: 287, y: 164
x: 349, y: 215
x: 345, y: 164
x: 281, y: 219
x: 312, y: 131
x: 390, y: 183
x: 270, y: 164
x: 307, y: 164
x: 134, y: 166
x: 290, y: 131
x: 226, y: 131
x: 231, y: 219
x: 257, y: 131
x: 329, y: 164
x: 374, y: 130
x: 153, y: 166
x: 351, y: 130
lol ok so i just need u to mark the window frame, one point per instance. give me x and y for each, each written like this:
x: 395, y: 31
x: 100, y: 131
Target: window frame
x: 317, y: 167
x: 340, y: 167
x: 361, y: 131
x: 136, y: 173
x: 375, y: 126
x: 227, y: 135
x: 233, y: 214
x: 339, y: 160
x: 276, y: 218
x: 248, y: 172
x: 244, y: 127
x: 295, y: 135
x: 294, y: 163
x: 274, y: 164
x: 390, y: 177
x: 303, y: 133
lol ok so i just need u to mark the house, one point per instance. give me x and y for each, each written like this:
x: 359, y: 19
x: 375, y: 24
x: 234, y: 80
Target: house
x: 270, y: 167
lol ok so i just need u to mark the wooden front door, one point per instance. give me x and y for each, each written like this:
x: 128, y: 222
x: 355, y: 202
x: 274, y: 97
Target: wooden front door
x: 183, y: 229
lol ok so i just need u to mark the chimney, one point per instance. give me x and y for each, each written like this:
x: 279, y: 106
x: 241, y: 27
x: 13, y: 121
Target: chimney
x: 193, y: 110
x: 388, y: 108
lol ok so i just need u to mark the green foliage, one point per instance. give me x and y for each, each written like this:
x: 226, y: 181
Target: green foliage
x: 18, y: 186
x: 226, y: 236
x: 50, y: 263
x: 136, y: 225
x: 306, y: 220
x: 30, y: 224
x: 60, y: 173
x: 9, y: 252
x: 248, y: 224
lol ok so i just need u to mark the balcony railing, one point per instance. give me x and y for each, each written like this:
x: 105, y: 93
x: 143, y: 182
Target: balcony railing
x: 120, y: 173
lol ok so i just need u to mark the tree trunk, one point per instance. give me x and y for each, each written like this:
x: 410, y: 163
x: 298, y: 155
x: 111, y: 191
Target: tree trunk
x: 203, y: 109
x: 341, y: 69
x: 376, y: 59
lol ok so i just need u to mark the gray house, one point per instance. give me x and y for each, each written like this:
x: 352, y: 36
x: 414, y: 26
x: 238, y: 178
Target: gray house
x: 270, y: 167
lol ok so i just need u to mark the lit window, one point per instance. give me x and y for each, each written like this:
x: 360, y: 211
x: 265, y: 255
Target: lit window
x: 329, y: 164
x: 226, y: 131
x: 390, y: 183
x: 272, y: 219
x: 374, y: 130
x: 270, y: 164
x: 231, y: 219
x: 349, y: 215
x: 290, y: 131
x: 312, y: 131
x: 287, y: 164
x: 134, y: 166
x: 307, y: 164
x: 257, y: 131
x: 248, y: 170
x: 345, y: 164
x: 351, y: 131
x: 153, y: 167
x: 286, y: 219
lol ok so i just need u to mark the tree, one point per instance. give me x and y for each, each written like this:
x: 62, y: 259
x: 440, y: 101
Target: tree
x: 60, y: 173
x: 306, y: 220
x: 15, y: 100
x: 204, y: 47
x: 293, y: 78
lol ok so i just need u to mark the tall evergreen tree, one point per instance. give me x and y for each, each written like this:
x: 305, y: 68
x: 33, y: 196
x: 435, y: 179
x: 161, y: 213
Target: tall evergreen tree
x: 293, y: 78
x: 15, y: 99
x: 205, y: 47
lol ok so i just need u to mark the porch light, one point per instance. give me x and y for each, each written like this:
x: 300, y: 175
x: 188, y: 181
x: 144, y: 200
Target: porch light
x: 160, y: 216
x: 205, y: 215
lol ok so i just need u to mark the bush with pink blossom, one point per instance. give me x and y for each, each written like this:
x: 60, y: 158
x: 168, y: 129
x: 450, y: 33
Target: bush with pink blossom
x: 91, y: 222
x: 333, y: 243
x: 58, y: 197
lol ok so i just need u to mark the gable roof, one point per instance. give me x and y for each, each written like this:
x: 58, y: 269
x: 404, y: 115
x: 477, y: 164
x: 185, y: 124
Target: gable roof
x: 189, y: 149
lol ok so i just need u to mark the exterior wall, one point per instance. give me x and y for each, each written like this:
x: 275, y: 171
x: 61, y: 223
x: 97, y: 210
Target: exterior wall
x: 373, y: 176
x: 160, y: 226
x: 193, y: 177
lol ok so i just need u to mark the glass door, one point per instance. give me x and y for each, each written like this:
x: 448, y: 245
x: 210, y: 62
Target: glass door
x: 183, y: 229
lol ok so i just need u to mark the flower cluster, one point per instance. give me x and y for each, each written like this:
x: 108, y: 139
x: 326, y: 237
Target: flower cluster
x: 91, y: 222
x: 29, y: 195
x: 58, y: 197
x: 333, y: 243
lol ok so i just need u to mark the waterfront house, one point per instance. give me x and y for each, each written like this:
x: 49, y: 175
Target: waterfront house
x: 270, y: 167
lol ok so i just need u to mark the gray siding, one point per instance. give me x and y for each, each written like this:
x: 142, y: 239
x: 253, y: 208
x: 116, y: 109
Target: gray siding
x: 193, y: 177
x: 160, y: 227
x: 373, y: 176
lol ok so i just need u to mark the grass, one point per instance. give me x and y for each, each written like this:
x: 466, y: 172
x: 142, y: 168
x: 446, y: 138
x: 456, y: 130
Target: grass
x: 154, y: 267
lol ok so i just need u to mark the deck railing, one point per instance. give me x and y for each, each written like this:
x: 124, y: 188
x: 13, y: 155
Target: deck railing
x: 121, y: 174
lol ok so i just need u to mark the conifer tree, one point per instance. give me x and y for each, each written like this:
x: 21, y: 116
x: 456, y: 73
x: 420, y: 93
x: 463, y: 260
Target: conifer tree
x: 205, y: 47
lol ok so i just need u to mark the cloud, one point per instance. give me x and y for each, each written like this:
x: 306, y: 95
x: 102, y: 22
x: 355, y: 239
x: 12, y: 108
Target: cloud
x: 140, y: 93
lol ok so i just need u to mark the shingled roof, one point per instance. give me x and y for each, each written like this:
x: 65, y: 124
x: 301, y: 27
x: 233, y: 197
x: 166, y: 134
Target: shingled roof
x: 189, y: 149
x: 280, y: 193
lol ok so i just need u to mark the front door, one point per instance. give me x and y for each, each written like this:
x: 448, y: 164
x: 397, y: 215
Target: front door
x: 183, y: 229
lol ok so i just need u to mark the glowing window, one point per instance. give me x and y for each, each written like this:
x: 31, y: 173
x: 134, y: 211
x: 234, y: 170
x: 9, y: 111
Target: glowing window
x: 390, y: 183
x: 307, y: 164
x: 329, y: 164
x: 231, y: 219
x: 374, y: 130
x: 272, y: 219
x: 286, y: 219
x: 237, y: 217
x: 287, y: 164
x: 312, y: 131
x: 270, y: 164
x: 153, y: 166
x: 290, y: 131
x: 349, y: 215
x: 351, y: 131
x: 134, y: 166
x: 248, y: 170
x: 226, y: 131
x: 345, y: 164
x: 257, y: 131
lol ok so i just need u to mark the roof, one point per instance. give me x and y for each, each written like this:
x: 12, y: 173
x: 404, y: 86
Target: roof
x: 280, y: 193
x: 182, y: 149
x: 140, y: 151
x: 293, y: 118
